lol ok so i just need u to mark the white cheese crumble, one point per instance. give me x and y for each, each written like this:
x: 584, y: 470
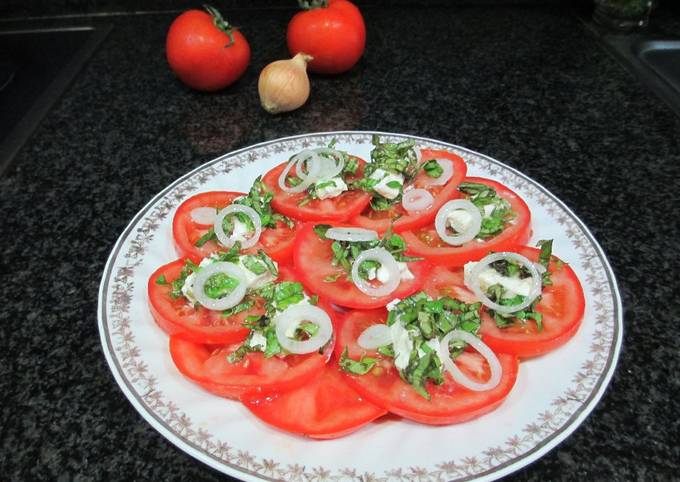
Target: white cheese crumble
x: 257, y: 340
x: 512, y: 285
x: 384, y: 178
x: 336, y: 187
x: 257, y: 280
x: 382, y: 274
x: 401, y: 343
x: 459, y: 220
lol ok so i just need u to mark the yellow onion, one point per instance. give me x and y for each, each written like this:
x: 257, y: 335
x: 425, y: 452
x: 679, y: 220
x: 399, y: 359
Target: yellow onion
x: 284, y: 85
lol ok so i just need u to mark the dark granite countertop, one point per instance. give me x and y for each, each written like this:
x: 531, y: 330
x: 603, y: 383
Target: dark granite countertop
x: 525, y: 85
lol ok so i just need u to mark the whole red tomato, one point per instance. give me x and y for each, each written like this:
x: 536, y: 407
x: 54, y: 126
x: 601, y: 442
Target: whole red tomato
x: 333, y: 32
x: 204, y: 51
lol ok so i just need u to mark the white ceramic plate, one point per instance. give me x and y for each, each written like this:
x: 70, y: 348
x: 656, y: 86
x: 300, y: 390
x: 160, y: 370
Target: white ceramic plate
x: 552, y: 396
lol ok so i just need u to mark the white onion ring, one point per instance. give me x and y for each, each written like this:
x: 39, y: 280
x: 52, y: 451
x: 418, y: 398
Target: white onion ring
x: 467, y: 235
x: 313, y: 169
x: 386, y: 260
x: 351, y: 234
x: 417, y: 200
x: 228, y: 301
x: 203, y: 215
x: 293, y: 316
x: 329, y: 167
x: 447, y: 173
x: 228, y: 241
x: 483, y: 349
x: 472, y: 281
x: 375, y: 336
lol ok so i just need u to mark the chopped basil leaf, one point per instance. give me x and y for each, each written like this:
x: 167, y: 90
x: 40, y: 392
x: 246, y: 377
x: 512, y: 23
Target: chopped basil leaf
x: 544, y: 259
x: 306, y: 330
x: 220, y: 285
x: 321, y: 229
x: 208, y: 236
x: 161, y: 280
x: 361, y: 367
x: 254, y: 264
x: 397, y: 157
x: 481, y: 196
x: 273, y: 346
x: 244, y: 305
x: 239, y: 354
x: 259, y: 198
x: 432, y: 168
x: 231, y: 256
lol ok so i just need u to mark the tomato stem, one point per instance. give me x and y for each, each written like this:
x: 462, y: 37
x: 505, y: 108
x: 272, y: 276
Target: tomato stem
x: 312, y: 4
x: 220, y: 23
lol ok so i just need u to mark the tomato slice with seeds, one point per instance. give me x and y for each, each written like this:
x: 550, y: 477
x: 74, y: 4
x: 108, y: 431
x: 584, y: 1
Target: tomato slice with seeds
x: 562, y: 306
x: 340, y: 208
x: 402, y: 220
x: 424, y: 241
x: 325, y: 407
x: 178, y: 317
x: 313, y: 258
x: 449, y: 403
x: 255, y: 375
x: 276, y: 242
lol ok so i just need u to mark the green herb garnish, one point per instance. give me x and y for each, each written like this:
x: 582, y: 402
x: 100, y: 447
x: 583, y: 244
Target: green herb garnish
x: 482, y: 196
x: 361, y: 367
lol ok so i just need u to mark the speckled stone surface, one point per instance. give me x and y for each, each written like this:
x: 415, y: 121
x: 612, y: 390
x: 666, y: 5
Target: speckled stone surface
x: 527, y: 86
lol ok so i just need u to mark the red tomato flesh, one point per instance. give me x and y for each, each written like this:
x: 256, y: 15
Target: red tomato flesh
x: 449, y: 403
x: 313, y: 263
x: 339, y: 208
x: 276, y: 242
x: 562, y: 306
x: 425, y: 241
x: 325, y: 407
x: 207, y: 365
x: 398, y: 217
x: 200, y: 325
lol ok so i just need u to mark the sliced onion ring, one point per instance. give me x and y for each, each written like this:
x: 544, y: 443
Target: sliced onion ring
x: 467, y: 235
x: 329, y: 167
x: 386, y: 260
x: 417, y: 200
x: 313, y: 169
x: 292, y: 316
x: 483, y: 349
x: 228, y: 301
x: 447, y: 173
x: 228, y: 241
x: 351, y: 234
x: 472, y: 281
x: 203, y: 215
x: 375, y: 336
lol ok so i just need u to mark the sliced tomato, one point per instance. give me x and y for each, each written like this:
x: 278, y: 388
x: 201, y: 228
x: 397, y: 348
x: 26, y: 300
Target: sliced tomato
x: 425, y: 241
x: 325, y: 407
x: 256, y: 375
x: 313, y: 264
x: 449, y: 403
x: 199, y: 325
x: 276, y: 242
x: 340, y: 208
x: 562, y: 306
x: 381, y: 220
